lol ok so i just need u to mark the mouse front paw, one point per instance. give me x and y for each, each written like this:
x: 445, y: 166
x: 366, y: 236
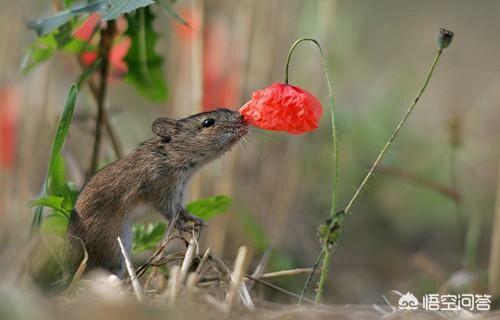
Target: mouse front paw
x: 185, y: 217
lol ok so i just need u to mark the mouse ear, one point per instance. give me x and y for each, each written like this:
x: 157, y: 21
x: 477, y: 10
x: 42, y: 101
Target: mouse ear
x: 164, y: 127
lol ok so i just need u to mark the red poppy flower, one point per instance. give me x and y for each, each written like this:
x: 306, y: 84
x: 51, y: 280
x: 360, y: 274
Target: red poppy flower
x: 187, y: 33
x: 283, y: 107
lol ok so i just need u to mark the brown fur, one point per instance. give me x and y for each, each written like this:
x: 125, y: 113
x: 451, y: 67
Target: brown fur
x: 155, y: 175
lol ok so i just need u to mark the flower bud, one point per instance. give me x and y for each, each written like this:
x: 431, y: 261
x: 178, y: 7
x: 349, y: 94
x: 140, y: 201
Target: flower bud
x: 444, y: 38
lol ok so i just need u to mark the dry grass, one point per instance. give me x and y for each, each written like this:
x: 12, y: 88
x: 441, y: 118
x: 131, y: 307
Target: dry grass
x: 185, y: 284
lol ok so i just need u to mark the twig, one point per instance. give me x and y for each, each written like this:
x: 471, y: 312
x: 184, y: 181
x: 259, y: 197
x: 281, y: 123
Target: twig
x: 188, y: 258
x: 115, y: 142
x: 444, y: 190
x: 173, y: 285
x: 278, y: 288
x: 244, y: 294
x: 203, y: 260
x: 237, y: 280
x: 80, y: 270
x: 131, y: 273
x: 191, y: 282
x: 284, y: 273
x: 259, y: 270
x: 309, y: 278
x: 105, y: 44
x: 161, y: 248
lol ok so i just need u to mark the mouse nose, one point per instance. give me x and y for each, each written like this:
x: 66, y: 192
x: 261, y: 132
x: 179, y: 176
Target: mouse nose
x: 241, y: 118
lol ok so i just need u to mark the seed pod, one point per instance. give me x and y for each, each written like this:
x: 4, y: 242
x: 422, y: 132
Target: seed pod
x: 444, y: 38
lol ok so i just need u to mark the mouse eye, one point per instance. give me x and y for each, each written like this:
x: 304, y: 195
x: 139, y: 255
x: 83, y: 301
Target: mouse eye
x: 208, y: 123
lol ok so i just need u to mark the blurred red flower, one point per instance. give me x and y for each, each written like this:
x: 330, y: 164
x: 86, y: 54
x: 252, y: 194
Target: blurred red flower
x: 187, y: 33
x: 221, y: 76
x: 118, y: 52
x: 8, y: 138
x: 85, y: 32
x: 283, y: 107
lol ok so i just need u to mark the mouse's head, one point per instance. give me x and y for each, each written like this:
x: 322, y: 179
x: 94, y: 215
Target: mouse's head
x: 201, y: 137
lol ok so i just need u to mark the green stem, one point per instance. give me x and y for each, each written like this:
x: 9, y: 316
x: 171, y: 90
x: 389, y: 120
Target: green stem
x: 334, y: 144
x: 394, y: 134
x: 323, y: 276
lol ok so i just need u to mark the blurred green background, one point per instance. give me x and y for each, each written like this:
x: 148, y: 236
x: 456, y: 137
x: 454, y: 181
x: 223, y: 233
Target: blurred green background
x: 408, y: 230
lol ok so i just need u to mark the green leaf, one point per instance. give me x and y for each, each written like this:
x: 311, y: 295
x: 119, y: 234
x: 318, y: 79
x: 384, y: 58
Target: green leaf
x: 53, y: 202
x: 55, y: 223
x: 168, y: 6
x: 147, y: 236
x: 117, y: 8
x: 111, y: 10
x: 43, y: 26
x: 56, y: 161
x: 63, y: 127
x: 208, y: 208
x: 77, y: 46
x: 43, y: 48
x: 70, y: 193
x: 145, y: 66
x: 57, y: 175
x: 61, y: 133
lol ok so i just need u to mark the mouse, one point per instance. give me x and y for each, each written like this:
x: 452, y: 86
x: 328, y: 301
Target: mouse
x: 154, y: 175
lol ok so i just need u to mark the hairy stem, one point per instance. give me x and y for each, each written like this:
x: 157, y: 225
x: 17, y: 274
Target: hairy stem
x: 394, y: 134
x: 323, y: 276
x: 335, y: 153
x: 105, y: 44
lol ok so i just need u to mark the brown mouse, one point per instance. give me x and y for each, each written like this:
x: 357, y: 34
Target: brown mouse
x: 153, y: 175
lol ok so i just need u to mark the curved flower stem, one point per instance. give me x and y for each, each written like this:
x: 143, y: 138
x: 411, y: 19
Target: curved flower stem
x: 333, y: 206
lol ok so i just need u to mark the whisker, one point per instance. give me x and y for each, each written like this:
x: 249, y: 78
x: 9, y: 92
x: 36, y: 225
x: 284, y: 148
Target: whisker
x: 260, y: 131
x: 243, y: 149
x: 250, y: 141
